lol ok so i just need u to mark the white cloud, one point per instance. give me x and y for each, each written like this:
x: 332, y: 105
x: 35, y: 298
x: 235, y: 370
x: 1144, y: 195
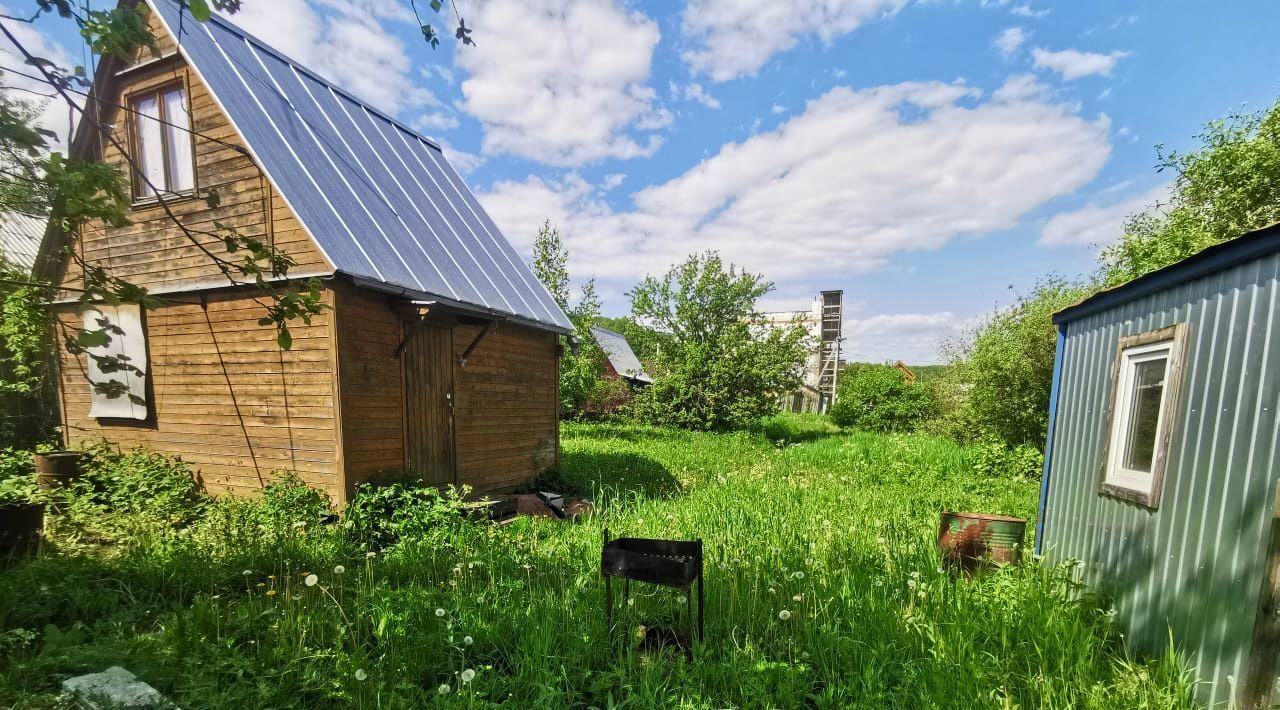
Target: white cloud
x: 461, y: 160
x: 433, y: 121
x: 913, y: 338
x: 1073, y: 64
x: 613, y: 180
x: 1097, y: 224
x: 563, y: 82
x: 856, y: 178
x: 351, y: 48
x: 695, y: 92
x: 777, y: 108
x: 733, y: 38
x: 1009, y: 40
x: 55, y: 113
x: 1025, y: 10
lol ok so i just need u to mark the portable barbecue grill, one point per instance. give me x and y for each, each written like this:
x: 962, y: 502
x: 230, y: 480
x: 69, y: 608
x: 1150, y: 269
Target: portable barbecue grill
x: 668, y: 563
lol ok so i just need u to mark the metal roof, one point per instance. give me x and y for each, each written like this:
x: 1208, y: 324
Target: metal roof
x: 20, y: 236
x: 620, y: 354
x: 380, y: 200
x: 1247, y: 247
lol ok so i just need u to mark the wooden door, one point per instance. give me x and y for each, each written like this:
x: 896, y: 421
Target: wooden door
x: 428, y: 378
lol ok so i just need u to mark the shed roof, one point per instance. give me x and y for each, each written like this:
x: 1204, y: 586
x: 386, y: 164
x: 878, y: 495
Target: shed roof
x: 381, y: 201
x: 620, y: 354
x: 1247, y: 247
x: 20, y: 236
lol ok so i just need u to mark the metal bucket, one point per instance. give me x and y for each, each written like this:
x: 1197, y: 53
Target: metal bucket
x: 55, y: 469
x: 970, y: 540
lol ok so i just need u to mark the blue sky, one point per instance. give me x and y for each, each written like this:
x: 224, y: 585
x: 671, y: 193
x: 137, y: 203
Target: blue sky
x: 923, y: 156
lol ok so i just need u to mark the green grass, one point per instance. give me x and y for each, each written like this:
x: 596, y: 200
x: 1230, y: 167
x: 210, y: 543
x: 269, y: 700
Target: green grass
x: 837, y: 531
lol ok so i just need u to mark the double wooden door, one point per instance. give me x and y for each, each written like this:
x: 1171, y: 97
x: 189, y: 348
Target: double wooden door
x: 428, y: 380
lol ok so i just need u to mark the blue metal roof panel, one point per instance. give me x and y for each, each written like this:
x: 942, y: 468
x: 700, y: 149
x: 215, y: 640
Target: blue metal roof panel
x: 381, y: 202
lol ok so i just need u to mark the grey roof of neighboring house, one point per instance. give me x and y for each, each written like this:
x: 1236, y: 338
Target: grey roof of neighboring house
x: 620, y: 354
x: 20, y: 236
x: 381, y: 201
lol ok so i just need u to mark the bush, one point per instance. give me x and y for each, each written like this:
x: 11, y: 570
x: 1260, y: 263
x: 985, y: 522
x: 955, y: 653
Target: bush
x: 878, y: 398
x: 1006, y: 366
x: 17, y: 477
x: 139, y: 482
x: 384, y: 514
x: 995, y: 459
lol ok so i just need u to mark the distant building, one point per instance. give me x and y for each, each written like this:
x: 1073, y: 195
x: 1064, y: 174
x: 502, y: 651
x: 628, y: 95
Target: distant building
x: 1162, y: 461
x: 822, y: 323
x: 620, y: 359
x: 20, y: 236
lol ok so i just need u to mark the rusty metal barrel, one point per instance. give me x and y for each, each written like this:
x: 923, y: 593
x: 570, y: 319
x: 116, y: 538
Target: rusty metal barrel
x: 55, y: 469
x: 969, y: 541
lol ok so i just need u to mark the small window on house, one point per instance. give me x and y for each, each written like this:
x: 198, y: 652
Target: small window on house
x: 117, y: 355
x: 162, y: 142
x: 1146, y: 375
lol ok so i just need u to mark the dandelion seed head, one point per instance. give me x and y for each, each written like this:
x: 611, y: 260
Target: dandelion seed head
x: 440, y: 612
x: 370, y: 555
x: 467, y: 640
x: 339, y: 569
x: 311, y: 580
x: 361, y: 675
x: 247, y: 572
x: 443, y: 689
x: 784, y: 614
x: 468, y: 675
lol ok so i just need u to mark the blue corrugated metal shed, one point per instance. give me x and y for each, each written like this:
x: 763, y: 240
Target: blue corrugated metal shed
x: 380, y: 200
x: 1193, y: 564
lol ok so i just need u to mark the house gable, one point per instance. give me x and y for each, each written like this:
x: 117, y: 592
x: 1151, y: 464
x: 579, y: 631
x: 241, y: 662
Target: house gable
x: 381, y: 201
x: 153, y: 251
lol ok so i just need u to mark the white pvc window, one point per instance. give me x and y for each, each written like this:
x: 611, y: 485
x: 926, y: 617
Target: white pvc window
x: 1146, y: 376
x: 162, y: 136
x: 117, y: 369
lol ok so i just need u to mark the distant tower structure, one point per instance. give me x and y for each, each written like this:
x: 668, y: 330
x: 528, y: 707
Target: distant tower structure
x: 829, y: 348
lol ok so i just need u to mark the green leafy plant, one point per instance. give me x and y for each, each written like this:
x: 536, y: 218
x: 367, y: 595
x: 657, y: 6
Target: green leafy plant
x: 995, y: 459
x: 384, y: 514
x: 18, y: 479
x: 879, y: 398
x: 722, y: 368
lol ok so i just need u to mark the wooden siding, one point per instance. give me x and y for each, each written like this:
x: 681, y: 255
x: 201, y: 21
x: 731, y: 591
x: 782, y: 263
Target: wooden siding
x: 507, y: 409
x: 372, y: 402
x: 224, y: 397
x: 153, y: 251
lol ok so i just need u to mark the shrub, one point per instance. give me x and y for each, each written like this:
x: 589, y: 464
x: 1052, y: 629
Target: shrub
x: 383, y: 514
x: 140, y: 482
x: 995, y: 459
x: 1006, y: 366
x: 17, y: 478
x: 878, y: 398
x: 722, y: 368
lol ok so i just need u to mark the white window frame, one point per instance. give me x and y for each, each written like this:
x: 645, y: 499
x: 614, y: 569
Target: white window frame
x: 1118, y: 480
x: 129, y: 342
x: 170, y: 166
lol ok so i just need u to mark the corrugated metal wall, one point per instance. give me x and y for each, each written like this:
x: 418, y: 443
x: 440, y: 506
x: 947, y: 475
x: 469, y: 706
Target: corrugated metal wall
x: 1192, y: 568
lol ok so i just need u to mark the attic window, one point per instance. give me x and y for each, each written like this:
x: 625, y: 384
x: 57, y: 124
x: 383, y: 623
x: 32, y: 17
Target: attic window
x: 1146, y: 376
x: 162, y: 142
x: 117, y: 364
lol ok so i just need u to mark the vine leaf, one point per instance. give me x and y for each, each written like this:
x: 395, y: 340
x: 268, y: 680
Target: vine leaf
x: 200, y: 9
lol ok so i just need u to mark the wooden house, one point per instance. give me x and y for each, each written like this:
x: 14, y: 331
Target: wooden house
x: 1162, y: 474
x: 438, y: 355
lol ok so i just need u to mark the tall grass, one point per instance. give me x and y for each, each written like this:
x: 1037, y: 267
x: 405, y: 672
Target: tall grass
x: 824, y: 589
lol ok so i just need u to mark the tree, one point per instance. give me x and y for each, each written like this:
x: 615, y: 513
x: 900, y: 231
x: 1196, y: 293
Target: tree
x: 579, y: 372
x: 724, y: 367
x: 1006, y: 366
x: 879, y: 398
x: 1229, y: 186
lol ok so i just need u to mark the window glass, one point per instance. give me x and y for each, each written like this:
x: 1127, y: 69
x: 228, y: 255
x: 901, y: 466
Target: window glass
x: 178, y: 140
x: 150, y: 146
x: 1144, y: 414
